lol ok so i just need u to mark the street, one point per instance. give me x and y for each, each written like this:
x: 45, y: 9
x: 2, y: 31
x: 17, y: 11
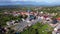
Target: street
x: 20, y: 26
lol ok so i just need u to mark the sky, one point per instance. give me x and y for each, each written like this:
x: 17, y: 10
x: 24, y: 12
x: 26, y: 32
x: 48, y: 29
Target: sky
x: 49, y: 1
x: 9, y: 2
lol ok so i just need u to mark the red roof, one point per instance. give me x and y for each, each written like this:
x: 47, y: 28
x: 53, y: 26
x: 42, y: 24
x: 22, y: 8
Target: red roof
x: 45, y: 16
x: 58, y: 18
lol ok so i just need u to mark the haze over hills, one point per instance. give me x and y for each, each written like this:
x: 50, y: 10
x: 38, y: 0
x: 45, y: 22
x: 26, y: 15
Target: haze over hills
x: 27, y: 4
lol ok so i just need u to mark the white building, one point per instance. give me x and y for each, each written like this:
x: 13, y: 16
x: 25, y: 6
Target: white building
x: 10, y: 23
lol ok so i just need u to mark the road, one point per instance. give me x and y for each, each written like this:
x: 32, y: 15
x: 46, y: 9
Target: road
x: 57, y: 27
x: 23, y: 24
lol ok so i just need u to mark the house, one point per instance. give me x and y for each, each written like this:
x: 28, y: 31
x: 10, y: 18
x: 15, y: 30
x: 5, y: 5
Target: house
x: 41, y: 12
x: 54, y: 21
x: 48, y: 19
x: 42, y: 17
x: 31, y: 17
x: 57, y: 29
x: 2, y: 30
x: 10, y: 22
x: 58, y: 19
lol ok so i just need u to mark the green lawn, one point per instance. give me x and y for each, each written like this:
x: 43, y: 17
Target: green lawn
x: 38, y: 29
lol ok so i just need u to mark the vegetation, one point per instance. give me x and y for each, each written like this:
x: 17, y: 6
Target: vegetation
x: 4, y: 18
x: 34, y: 29
x: 38, y: 29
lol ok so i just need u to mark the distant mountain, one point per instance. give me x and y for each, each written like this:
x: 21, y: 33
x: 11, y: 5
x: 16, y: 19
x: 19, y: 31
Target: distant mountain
x: 26, y: 4
x: 21, y: 3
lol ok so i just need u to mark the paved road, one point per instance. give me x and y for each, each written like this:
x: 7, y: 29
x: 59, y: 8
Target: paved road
x: 24, y: 24
x: 57, y: 27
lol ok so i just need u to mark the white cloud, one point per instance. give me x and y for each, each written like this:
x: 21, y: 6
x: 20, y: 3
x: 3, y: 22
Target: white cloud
x: 35, y: 0
x: 48, y: 1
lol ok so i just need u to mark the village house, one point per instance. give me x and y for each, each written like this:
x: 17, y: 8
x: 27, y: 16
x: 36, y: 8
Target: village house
x: 10, y: 23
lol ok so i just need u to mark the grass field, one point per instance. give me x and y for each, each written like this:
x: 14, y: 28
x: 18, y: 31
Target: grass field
x: 38, y: 29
